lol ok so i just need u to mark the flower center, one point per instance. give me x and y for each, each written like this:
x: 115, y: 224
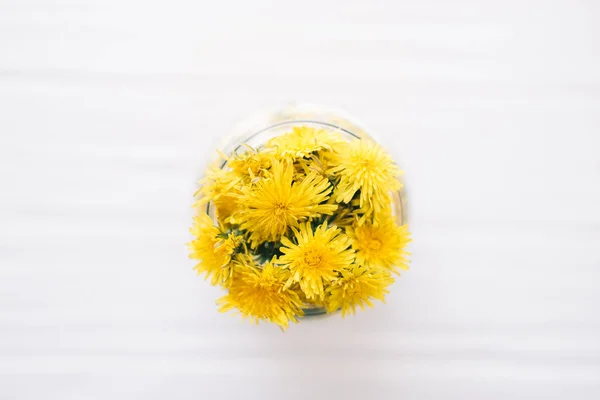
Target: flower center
x: 312, y: 258
x: 280, y: 209
x: 373, y: 244
x: 266, y: 283
x: 367, y: 164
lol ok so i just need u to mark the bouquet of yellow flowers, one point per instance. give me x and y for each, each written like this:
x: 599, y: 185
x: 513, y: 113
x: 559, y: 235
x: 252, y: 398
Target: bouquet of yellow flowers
x: 303, y: 221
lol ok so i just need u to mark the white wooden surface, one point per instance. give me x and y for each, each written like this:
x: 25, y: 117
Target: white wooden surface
x: 109, y: 109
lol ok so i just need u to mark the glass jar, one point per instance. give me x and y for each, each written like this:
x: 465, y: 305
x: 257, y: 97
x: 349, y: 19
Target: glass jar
x: 258, y: 129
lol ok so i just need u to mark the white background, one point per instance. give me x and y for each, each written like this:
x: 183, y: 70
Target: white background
x: 109, y: 109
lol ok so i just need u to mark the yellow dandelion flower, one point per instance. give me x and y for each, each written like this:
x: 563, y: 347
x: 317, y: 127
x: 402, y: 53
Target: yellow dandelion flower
x: 260, y: 295
x: 316, y: 162
x: 316, y: 258
x: 357, y: 286
x: 304, y: 140
x: 276, y: 203
x: 213, y: 249
x: 365, y: 166
x: 251, y: 163
x: 380, y: 245
x: 219, y: 187
x: 368, y: 213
